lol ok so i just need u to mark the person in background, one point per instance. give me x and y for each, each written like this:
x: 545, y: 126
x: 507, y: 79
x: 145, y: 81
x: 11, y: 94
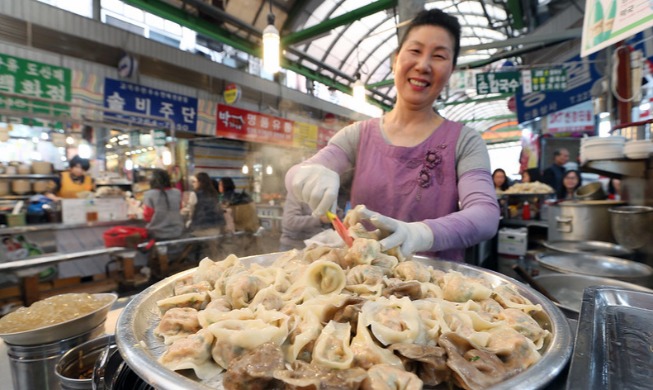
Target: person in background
x: 501, y: 180
x: 227, y: 190
x: 531, y: 175
x: 162, y: 208
x: 553, y: 174
x: 427, y: 179
x: 298, y: 224
x: 75, y: 180
x: 570, y: 183
x: 206, y: 217
x: 614, y: 189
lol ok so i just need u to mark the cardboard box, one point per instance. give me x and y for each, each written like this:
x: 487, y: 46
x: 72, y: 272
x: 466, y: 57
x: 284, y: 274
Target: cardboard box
x: 513, y: 241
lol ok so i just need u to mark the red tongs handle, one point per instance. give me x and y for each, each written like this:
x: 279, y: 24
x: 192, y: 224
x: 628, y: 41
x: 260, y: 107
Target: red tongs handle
x: 340, y: 228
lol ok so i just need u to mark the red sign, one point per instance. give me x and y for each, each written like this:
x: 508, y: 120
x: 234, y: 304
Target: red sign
x: 324, y: 135
x: 245, y: 125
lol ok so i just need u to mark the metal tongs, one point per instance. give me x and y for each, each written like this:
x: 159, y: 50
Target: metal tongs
x: 340, y: 228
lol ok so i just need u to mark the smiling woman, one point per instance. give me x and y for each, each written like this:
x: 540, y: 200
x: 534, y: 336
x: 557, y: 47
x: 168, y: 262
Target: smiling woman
x: 412, y: 165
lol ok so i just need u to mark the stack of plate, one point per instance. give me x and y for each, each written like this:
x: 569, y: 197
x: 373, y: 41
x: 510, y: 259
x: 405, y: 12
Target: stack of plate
x: 601, y: 148
x: 638, y: 149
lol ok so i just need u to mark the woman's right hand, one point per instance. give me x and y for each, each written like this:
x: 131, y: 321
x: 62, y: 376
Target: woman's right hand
x: 317, y: 186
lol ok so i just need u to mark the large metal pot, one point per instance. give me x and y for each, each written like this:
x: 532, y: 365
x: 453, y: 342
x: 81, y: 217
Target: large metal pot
x: 581, y: 221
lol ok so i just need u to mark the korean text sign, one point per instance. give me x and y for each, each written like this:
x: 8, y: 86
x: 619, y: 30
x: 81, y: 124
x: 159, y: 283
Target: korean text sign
x: 245, y: 125
x: 37, y: 80
x: 138, y: 99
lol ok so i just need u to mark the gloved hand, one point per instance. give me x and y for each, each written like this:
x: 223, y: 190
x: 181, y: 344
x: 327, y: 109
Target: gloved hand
x: 317, y: 186
x: 411, y: 237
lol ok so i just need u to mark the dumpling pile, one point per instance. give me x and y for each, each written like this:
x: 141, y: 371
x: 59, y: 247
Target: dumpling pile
x: 350, y: 318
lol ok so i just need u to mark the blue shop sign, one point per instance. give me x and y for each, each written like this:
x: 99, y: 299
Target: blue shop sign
x: 138, y: 99
x: 582, y: 73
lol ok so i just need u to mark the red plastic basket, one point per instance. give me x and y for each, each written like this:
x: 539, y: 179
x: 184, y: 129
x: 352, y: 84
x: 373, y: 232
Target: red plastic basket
x: 124, y: 236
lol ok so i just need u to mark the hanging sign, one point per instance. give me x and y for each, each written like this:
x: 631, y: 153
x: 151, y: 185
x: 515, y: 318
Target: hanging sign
x: 305, y: 135
x: 576, y: 119
x: 554, y: 79
x: 159, y: 138
x: 37, y: 80
x: 134, y: 98
x: 324, y: 134
x: 581, y: 74
x: 244, y: 125
x: 609, y: 21
x: 231, y: 93
x: 497, y: 82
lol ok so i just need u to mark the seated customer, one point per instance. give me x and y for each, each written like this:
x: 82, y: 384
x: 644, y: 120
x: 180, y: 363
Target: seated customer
x: 298, y: 224
x: 206, y: 217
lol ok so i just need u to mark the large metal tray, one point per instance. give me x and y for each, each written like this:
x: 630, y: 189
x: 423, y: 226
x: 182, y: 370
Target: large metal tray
x: 596, y: 265
x: 613, y: 345
x: 568, y: 289
x: 140, y: 348
x: 589, y: 247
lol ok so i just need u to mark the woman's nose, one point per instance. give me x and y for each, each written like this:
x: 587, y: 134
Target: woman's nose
x: 423, y: 63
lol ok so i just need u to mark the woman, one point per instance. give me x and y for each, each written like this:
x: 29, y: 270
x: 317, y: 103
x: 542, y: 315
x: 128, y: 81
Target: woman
x: 427, y: 176
x: 500, y: 179
x: 162, y: 208
x: 570, y: 183
x: 227, y: 190
x: 75, y: 180
x: 299, y: 224
x: 206, y: 215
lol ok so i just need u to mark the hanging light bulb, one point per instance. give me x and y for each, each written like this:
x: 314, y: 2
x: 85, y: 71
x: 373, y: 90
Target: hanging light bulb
x: 268, y: 170
x: 271, y: 43
x: 166, y: 157
x: 245, y: 169
x: 358, y: 90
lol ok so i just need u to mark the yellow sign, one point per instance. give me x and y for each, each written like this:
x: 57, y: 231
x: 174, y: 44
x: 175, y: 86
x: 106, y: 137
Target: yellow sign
x: 231, y: 93
x: 304, y: 135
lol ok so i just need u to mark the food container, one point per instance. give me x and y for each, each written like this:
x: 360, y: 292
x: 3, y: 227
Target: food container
x: 4, y: 187
x: 41, y: 167
x: 20, y: 186
x: 591, y: 191
x: 631, y: 225
x: 140, y: 348
x: 16, y: 219
x: 75, y: 368
x: 40, y: 186
x: 613, y: 345
x: 581, y: 221
x: 24, y: 169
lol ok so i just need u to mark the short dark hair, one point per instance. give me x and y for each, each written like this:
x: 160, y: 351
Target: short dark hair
x: 228, y: 184
x: 82, y: 162
x: 436, y: 17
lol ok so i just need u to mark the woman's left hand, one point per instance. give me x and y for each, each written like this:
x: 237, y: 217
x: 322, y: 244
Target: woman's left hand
x: 410, y: 237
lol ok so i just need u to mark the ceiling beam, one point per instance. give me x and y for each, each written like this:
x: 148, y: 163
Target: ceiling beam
x: 330, y: 24
x: 564, y: 35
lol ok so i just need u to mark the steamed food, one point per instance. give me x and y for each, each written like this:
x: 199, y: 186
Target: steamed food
x: 350, y: 318
x: 51, y: 311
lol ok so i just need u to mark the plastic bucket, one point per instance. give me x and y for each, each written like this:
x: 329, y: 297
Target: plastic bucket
x: 33, y: 366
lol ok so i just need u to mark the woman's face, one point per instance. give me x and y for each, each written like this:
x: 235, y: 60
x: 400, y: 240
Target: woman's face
x: 195, y: 183
x: 525, y: 177
x: 423, y: 65
x: 220, y: 187
x: 570, y: 181
x: 499, y: 178
x: 77, y: 170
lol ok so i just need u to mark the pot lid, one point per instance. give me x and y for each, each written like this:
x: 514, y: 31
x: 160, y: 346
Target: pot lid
x: 589, y: 247
x: 595, y: 265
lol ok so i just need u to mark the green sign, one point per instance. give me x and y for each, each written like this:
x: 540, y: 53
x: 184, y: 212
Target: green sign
x: 497, y: 82
x: 159, y: 138
x: 37, y: 80
x: 554, y: 79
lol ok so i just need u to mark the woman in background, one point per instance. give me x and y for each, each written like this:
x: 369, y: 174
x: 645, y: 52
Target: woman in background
x: 162, y: 208
x: 75, y: 180
x: 500, y: 179
x: 206, y: 215
x: 570, y: 183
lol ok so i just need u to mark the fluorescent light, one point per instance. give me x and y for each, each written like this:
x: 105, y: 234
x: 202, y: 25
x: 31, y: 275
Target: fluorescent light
x: 359, y: 91
x: 271, y: 43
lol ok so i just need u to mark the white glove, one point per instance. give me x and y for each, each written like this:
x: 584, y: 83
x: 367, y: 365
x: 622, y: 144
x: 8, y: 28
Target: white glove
x: 411, y: 237
x: 317, y: 186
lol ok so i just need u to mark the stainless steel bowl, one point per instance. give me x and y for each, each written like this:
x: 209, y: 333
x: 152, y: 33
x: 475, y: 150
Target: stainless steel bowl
x: 140, y: 348
x: 631, y: 225
x: 591, y: 191
x: 63, y: 330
